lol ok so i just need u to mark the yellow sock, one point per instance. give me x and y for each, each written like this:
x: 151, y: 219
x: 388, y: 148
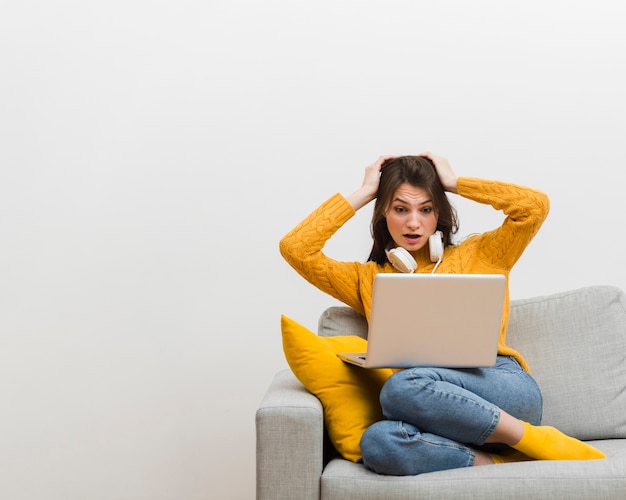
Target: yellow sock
x: 508, y: 457
x: 548, y: 443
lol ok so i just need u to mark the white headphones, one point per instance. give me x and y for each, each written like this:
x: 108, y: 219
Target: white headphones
x: 404, y: 262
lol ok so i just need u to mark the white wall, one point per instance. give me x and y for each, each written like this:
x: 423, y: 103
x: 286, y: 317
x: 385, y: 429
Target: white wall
x: 153, y: 153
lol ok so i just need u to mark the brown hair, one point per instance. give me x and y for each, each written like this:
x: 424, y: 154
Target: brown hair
x: 420, y: 172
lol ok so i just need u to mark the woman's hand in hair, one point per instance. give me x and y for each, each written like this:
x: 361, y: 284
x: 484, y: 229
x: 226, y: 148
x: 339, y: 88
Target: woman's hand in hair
x: 368, y: 190
x: 444, y: 171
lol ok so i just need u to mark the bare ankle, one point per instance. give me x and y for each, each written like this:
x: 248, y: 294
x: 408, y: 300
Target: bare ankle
x: 482, y: 458
x: 508, y: 431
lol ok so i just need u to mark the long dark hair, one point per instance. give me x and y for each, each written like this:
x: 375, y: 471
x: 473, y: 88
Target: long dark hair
x: 420, y: 172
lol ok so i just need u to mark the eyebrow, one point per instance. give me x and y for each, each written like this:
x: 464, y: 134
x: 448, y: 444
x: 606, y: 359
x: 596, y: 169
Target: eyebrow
x: 407, y: 203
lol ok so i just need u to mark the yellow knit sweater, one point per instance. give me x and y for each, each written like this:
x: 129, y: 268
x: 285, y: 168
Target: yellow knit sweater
x: 493, y: 252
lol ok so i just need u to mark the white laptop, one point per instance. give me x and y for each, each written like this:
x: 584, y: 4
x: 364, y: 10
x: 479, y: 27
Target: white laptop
x: 446, y: 320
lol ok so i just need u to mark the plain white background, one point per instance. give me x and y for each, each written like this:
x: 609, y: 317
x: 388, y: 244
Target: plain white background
x: 153, y: 153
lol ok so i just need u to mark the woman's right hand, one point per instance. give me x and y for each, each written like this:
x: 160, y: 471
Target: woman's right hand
x: 368, y: 190
x: 447, y: 177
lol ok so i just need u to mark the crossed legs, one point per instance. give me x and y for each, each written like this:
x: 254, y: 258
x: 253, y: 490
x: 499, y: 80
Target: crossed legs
x: 441, y: 419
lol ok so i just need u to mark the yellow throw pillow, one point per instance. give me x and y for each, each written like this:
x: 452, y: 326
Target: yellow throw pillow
x: 349, y: 394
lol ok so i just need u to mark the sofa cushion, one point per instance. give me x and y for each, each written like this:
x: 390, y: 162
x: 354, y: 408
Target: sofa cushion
x: 575, y: 345
x: 536, y: 479
x: 349, y: 394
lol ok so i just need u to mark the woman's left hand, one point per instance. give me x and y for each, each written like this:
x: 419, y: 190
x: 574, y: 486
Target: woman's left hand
x: 444, y: 171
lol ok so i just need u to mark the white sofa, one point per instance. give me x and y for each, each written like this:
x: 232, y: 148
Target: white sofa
x: 575, y: 344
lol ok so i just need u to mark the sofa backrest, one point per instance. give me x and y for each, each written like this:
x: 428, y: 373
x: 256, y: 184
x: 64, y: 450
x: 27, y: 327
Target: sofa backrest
x: 575, y: 345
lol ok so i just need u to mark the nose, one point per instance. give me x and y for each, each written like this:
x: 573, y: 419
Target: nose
x: 413, y: 220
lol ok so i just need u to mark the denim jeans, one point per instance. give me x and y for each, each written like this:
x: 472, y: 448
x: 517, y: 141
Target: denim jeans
x: 437, y: 417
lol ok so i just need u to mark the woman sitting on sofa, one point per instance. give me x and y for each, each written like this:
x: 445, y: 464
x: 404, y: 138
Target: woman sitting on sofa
x: 438, y: 418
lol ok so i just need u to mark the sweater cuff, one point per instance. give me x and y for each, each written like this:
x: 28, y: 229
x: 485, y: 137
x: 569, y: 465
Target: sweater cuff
x: 338, y: 208
x: 465, y: 185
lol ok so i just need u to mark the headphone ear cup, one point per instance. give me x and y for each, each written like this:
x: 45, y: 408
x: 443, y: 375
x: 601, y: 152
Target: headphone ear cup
x: 435, y: 244
x: 402, y: 260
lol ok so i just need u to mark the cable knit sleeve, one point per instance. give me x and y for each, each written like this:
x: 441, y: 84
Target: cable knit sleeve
x: 525, y: 210
x: 302, y: 249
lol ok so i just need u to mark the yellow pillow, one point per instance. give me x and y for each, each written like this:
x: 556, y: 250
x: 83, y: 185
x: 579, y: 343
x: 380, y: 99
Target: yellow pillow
x: 349, y: 394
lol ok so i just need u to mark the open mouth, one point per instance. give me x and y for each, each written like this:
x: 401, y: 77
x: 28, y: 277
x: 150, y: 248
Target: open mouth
x: 412, y: 237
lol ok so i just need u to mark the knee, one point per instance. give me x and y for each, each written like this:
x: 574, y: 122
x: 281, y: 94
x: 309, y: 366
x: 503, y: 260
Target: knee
x: 393, y: 395
x: 396, y: 448
x: 393, y: 391
x: 377, y: 448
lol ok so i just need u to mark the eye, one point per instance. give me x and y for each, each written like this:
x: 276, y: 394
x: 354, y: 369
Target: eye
x: 427, y: 210
x: 399, y: 209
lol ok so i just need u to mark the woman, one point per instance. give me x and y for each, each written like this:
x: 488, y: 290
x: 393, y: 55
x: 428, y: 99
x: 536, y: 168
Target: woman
x: 438, y: 418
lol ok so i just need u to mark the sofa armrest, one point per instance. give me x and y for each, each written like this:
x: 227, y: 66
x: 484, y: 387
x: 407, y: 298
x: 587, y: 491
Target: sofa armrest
x: 289, y: 441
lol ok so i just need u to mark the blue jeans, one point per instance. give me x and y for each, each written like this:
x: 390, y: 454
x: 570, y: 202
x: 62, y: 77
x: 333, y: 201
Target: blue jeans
x: 437, y: 417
